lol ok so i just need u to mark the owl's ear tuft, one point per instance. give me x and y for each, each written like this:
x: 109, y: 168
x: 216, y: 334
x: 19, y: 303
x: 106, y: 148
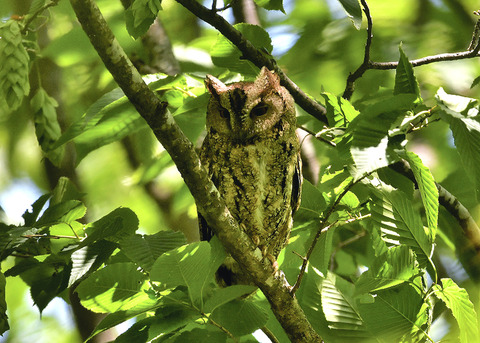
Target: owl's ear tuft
x: 214, y: 85
x: 267, y: 79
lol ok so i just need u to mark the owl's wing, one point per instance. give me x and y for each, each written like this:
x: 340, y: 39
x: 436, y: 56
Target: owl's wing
x: 297, y: 185
x: 206, y: 233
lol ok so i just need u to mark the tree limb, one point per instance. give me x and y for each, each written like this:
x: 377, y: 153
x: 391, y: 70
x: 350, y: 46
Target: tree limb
x: 210, y: 204
x: 256, y: 56
x: 471, y: 52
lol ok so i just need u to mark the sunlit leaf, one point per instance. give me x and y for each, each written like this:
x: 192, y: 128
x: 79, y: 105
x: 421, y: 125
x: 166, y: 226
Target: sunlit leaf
x: 458, y: 301
x: 340, y: 112
x: 399, y: 223
x: 428, y: 190
x: 405, y: 80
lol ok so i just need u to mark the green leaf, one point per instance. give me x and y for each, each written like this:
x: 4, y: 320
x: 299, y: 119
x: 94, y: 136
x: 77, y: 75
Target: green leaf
x: 396, y: 266
x: 31, y: 217
x: 405, y: 80
x: 458, y: 302
x: 371, y: 148
x: 428, y: 191
x: 3, y: 306
x: 271, y: 4
x: 64, y: 212
x: 89, y: 258
x: 340, y: 309
x: 321, y: 254
x: 222, y: 296
x: 114, y: 227
x: 313, y: 203
x: 397, y: 315
x: 187, y: 265
x: 340, y: 112
x: 461, y: 114
x: 117, y: 287
x: 247, y: 317
x: 140, y: 15
x: 145, y: 249
x: 354, y: 11
x: 225, y: 54
x: 399, y: 223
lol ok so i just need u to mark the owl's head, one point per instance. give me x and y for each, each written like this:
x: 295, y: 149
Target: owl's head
x: 244, y: 110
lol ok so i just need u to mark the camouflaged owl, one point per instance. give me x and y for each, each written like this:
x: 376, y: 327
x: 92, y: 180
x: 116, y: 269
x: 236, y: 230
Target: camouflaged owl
x: 251, y: 152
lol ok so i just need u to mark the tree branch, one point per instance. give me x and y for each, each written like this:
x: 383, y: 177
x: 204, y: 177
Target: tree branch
x: 471, y: 52
x: 256, y: 56
x: 210, y: 204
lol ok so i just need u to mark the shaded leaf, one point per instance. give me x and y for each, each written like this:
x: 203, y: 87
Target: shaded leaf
x: 117, y: 287
x: 225, y: 54
x: 3, y: 306
x: 145, y: 249
x: 461, y: 114
x: 397, y: 265
x: 354, y: 11
x: 222, y: 296
x: 248, y: 317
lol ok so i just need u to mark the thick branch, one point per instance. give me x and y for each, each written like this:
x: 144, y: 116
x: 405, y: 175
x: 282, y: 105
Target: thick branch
x: 257, y: 57
x: 209, y: 202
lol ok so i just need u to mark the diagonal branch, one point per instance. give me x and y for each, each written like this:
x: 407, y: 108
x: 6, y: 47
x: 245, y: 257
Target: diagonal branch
x: 210, y: 204
x: 256, y: 56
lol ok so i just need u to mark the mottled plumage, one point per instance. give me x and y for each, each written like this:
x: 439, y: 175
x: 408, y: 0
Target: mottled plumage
x: 251, y: 152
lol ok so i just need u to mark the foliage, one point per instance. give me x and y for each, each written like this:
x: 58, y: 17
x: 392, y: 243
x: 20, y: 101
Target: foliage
x: 375, y: 238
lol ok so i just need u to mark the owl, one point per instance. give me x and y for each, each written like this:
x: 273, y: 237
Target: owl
x: 251, y: 152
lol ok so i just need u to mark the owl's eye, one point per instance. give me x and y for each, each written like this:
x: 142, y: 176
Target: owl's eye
x: 259, y: 110
x: 224, y: 113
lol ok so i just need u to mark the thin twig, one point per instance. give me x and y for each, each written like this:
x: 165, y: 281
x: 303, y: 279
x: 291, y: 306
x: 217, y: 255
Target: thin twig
x: 323, y: 228
x: 214, y: 323
x: 256, y: 56
x: 270, y: 335
x: 32, y: 17
x: 347, y: 94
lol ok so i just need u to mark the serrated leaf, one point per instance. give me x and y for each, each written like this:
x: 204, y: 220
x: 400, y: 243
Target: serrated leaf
x: 114, y: 227
x: 145, y: 249
x: 397, y: 315
x: 321, y: 254
x: 399, y: 223
x: 64, y: 212
x: 89, y: 258
x: 222, y: 296
x: 475, y: 82
x: 225, y: 54
x: 354, y: 11
x: 186, y: 265
x: 117, y: 287
x: 458, y: 301
x: 462, y: 114
x: 340, y: 112
x: 428, y: 191
x: 371, y: 147
x: 396, y: 266
x: 405, y: 80
x: 119, y: 317
x: 31, y: 217
x: 248, y: 317
x: 340, y: 309
x: 313, y: 203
